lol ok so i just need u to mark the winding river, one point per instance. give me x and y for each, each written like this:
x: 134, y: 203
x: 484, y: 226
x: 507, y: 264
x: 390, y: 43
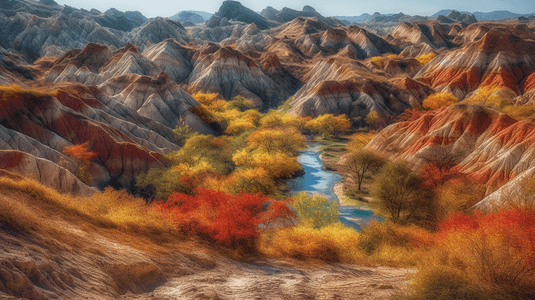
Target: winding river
x: 318, y: 181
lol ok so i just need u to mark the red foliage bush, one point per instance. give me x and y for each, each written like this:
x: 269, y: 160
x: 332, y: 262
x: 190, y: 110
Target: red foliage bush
x: 225, y: 219
x: 80, y: 152
x: 497, y: 249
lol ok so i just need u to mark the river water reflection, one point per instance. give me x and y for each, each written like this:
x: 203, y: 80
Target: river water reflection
x: 318, y: 181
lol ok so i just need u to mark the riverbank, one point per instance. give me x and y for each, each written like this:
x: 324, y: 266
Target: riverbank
x: 321, y: 178
x: 332, y: 151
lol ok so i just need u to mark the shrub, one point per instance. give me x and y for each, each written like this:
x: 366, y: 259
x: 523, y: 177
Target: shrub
x: 439, y: 100
x: 424, y: 59
x: 492, y: 96
x: 240, y: 104
x: 359, y: 141
x: 315, y: 211
x: 224, y: 219
x: 394, y: 244
x: 276, y: 140
x: 520, y: 111
x: 83, y: 156
x: 491, y: 255
x: 372, y: 118
x: 378, y: 61
x: 329, y: 125
x: 333, y: 243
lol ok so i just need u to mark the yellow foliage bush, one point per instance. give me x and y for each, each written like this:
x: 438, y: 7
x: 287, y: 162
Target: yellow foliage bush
x: 378, y: 61
x: 329, y: 125
x: 359, y: 140
x: 393, y: 56
x: 7, y: 92
x: 334, y: 243
x: 424, y: 59
x: 520, y: 112
x: 206, y: 99
x: 495, y: 97
x: 394, y: 244
x: 439, y: 100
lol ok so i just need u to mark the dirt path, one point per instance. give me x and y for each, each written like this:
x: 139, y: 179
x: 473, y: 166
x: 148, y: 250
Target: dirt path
x: 275, y: 279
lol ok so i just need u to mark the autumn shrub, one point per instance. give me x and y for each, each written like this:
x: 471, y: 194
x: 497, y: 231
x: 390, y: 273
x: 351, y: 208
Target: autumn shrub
x: 203, y: 113
x: 246, y: 121
x: 439, y: 100
x: 456, y: 196
x: 492, y: 96
x: 378, y: 61
x: 276, y: 140
x: 359, y: 140
x: 84, y: 157
x: 228, y: 220
x: 315, y: 211
x: 394, y: 244
x: 424, y: 59
x: 252, y: 180
x: 481, y: 256
x: 239, y: 103
x: 123, y: 210
x: 8, y: 92
x: 211, y: 101
x: 329, y: 125
x: 332, y: 243
x: 520, y: 111
x: 372, y: 118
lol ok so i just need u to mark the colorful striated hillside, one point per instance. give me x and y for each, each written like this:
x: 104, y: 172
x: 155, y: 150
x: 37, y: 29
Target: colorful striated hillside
x: 488, y: 146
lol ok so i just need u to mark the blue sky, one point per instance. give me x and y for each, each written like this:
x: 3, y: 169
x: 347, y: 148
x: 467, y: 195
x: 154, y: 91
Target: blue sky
x: 167, y: 8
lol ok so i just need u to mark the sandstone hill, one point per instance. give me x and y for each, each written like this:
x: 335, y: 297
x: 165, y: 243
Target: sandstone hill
x: 123, y: 82
x: 499, y: 58
x: 490, y: 147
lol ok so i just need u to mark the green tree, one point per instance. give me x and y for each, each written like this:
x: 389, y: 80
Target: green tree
x: 397, y: 193
x: 315, y: 211
x: 362, y: 162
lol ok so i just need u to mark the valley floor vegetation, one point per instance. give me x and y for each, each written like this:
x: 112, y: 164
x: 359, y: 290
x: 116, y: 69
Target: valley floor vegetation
x: 228, y: 190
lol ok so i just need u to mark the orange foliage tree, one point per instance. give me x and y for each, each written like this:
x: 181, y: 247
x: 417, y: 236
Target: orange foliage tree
x: 228, y: 220
x: 83, y: 156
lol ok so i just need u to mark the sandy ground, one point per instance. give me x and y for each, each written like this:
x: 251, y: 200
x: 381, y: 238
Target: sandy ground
x: 276, y: 279
x: 83, y: 265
